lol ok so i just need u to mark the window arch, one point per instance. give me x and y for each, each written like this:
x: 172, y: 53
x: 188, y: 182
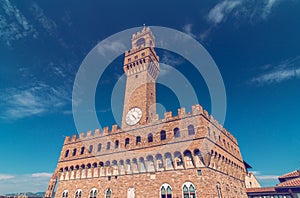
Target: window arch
x: 150, y: 137
x: 138, y: 139
x: 130, y: 193
x: 116, y: 144
x: 188, y: 190
x: 67, y: 153
x: 91, y: 149
x: 219, y: 190
x: 191, y: 130
x: 163, y: 135
x: 65, y: 194
x: 78, y: 193
x: 176, y: 132
x: 108, y: 193
x: 82, y: 150
x: 140, y: 42
x: 165, y: 191
x: 99, y: 147
x: 74, y: 151
x: 127, y: 141
x: 93, y: 193
x: 108, y: 146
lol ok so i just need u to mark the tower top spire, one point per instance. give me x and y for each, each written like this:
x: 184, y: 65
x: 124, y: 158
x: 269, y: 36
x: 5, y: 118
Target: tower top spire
x: 143, y: 38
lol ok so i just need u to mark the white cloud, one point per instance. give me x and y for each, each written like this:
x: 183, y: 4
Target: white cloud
x: 262, y: 177
x: 48, y: 24
x: 187, y: 28
x: 273, y: 74
x: 220, y: 11
x: 48, y: 175
x: 268, y: 7
x: 267, y: 177
x: 106, y: 49
x: 5, y: 177
x: 170, y: 59
x: 247, y: 11
x: 35, y: 182
x: 13, y: 24
x: 30, y: 101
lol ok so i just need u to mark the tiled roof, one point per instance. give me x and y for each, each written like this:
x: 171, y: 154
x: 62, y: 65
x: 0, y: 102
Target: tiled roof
x: 291, y: 182
x: 266, y: 189
x: 295, y: 173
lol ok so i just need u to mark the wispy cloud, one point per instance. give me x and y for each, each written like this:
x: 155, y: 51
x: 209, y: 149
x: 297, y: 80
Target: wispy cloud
x: 48, y: 24
x: 106, y: 49
x: 248, y: 11
x: 29, y: 101
x: 170, y: 59
x: 35, y: 182
x: 5, y: 177
x: 43, y: 174
x: 187, y: 28
x: 272, y: 74
x: 262, y: 177
x: 13, y: 24
x: 220, y: 11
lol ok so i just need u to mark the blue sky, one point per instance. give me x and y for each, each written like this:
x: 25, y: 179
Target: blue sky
x: 255, y: 44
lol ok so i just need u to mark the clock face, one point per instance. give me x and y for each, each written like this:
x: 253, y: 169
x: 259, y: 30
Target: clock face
x: 133, y: 116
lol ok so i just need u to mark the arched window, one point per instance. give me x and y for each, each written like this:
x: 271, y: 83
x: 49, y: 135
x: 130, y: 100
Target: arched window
x: 99, y: 147
x: 140, y: 42
x: 78, y: 193
x: 150, y: 137
x: 219, y: 190
x: 65, y: 194
x: 93, y: 193
x: 127, y: 141
x: 228, y: 191
x: 191, y: 130
x: 67, y: 153
x: 74, y: 151
x: 188, y: 190
x: 108, y: 193
x: 116, y: 144
x: 176, y: 132
x: 108, y: 146
x: 208, y: 131
x: 91, y: 149
x: 165, y: 191
x: 138, y: 139
x: 82, y: 150
x: 130, y: 193
x: 163, y: 135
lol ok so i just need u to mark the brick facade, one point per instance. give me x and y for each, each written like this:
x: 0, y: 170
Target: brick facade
x: 190, y: 150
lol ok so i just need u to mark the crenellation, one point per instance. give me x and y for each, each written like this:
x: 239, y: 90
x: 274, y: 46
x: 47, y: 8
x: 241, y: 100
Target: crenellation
x: 74, y: 138
x: 82, y: 135
x: 115, y: 128
x: 105, y: 130
x: 168, y: 115
x: 181, y: 112
x: 97, y: 132
x: 205, y: 113
x: 67, y: 140
x: 148, y: 153
x: 89, y: 134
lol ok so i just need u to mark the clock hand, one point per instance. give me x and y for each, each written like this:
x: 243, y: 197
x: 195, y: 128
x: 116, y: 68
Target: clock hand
x: 133, y: 116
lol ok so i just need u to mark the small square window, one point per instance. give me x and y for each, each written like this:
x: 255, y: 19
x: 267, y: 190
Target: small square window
x: 199, y: 172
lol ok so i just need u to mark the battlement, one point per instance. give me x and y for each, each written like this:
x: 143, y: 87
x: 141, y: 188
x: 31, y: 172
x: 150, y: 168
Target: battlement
x: 168, y: 116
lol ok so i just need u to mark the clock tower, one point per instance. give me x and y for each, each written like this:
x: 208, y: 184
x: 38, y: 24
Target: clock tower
x: 141, y: 66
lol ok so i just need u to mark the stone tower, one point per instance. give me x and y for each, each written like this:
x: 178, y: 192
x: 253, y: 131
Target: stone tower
x: 188, y: 154
x: 141, y: 66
